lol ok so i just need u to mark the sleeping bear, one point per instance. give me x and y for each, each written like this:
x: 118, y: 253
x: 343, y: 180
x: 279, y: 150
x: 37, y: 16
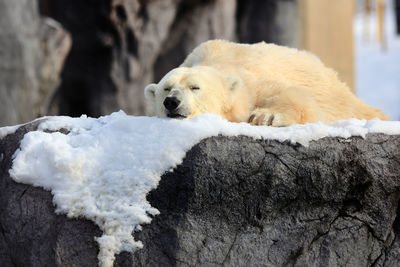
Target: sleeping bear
x: 263, y: 84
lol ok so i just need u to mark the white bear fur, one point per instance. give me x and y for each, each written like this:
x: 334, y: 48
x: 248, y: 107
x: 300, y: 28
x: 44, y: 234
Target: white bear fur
x: 263, y: 84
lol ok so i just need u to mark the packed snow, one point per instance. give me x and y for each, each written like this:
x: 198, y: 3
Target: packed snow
x: 377, y: 68
x: 8, y: 130
x: 12, y: 129
x: 104, y: 168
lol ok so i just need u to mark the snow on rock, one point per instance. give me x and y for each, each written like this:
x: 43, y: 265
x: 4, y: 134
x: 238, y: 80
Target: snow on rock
x: 8, y: 130
x: 103, y: 168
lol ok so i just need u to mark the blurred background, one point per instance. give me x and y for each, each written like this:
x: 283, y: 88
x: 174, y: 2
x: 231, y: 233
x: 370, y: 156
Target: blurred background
x: 93, y: 57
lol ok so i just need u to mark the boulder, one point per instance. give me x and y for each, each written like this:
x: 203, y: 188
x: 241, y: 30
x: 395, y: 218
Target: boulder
x: 234, y: 201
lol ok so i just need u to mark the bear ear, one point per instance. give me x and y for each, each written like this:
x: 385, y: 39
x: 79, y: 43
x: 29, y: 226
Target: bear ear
x: 150, y: 91
x: 150, y: 96
x: 234, y: 83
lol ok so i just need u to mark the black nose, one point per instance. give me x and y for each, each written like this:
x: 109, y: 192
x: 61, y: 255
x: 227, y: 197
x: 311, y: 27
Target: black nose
x: 171, y: 103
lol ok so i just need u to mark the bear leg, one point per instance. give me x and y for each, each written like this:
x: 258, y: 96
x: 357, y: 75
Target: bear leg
x: 284, y: 106
x: 265, y: 116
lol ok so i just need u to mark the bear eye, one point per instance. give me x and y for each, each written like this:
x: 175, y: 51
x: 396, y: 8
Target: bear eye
x: 194, y: 87
x: 167, y: 89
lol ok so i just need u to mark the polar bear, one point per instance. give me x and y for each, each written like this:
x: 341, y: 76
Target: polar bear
x: 263, y: 84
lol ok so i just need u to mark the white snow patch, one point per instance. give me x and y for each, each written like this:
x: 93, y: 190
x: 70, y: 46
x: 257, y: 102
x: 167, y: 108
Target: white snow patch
x: 103, y: 168
x: 8, y: 130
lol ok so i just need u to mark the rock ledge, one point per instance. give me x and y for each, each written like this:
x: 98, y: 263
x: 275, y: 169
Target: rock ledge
x: 234, y: 201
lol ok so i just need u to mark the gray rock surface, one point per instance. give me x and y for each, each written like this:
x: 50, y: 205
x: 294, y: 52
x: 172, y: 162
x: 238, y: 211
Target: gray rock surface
x: 32, y: 53
x: 19, y: 61
x: 234, y: 201
x: 55, y: 44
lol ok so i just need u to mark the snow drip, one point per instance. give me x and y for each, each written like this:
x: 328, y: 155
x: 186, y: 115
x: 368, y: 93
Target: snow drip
x: 103, y: 168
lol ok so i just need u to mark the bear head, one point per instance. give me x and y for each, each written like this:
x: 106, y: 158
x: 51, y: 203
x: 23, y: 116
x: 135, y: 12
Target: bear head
x: 187, y: 92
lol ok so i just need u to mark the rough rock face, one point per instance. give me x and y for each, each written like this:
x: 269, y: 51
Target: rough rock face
x: 233, y: 202
x: 239, y: 202
x: 19, y: 61
x: 32, y: 52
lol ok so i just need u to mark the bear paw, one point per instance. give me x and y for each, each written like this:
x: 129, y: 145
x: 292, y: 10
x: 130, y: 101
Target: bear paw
x: 264, y: 116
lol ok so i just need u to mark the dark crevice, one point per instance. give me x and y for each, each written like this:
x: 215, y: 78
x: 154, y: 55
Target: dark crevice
x: 375, y: 262
x: 260, y: 166
x: 3, y: 232
x: 187, y: 7
x: 231, y: 246
x: 126, y: 69
x: 289, y: 168
x: 352, y: 205
x: 320, y: 235
x: 251, y: 30
x: 144, y: 14
x: 121, y: 13
x: 259, y: 215
x: 366, y: 224
x: 86, y: 82
x: 45, y: 7
x: 396, y: 223
x: 131, y: 42
x: 293, y: 257
x: 360, y: 189
x: 23, y: 192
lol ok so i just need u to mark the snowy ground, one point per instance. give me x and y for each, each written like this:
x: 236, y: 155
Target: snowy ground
x: 104, y: 168
x: 378, y: 71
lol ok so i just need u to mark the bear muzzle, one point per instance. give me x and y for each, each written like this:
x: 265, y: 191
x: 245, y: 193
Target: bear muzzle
x: 171, y: 105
